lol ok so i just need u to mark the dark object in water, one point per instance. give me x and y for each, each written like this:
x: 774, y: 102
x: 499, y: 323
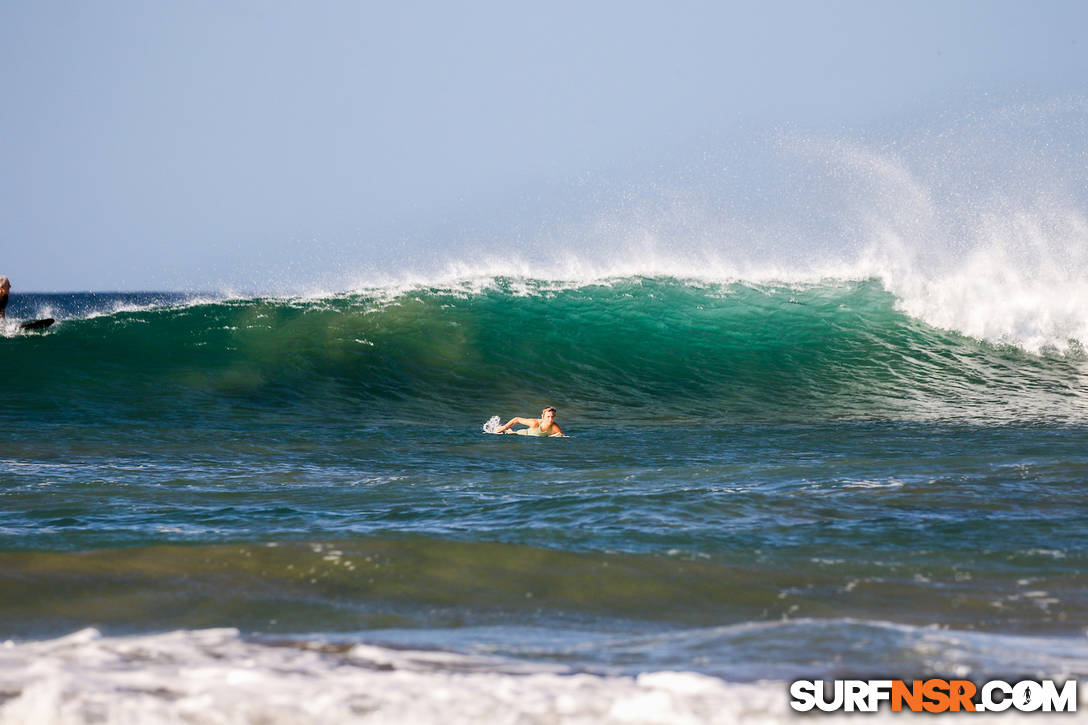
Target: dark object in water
x: 37, y: 324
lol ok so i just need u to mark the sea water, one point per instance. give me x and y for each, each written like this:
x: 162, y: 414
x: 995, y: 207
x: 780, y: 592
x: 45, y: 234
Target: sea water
x: 819, y: 451
x: 207, y: 499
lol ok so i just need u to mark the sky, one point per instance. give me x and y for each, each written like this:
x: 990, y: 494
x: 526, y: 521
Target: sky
x: 268, y: 145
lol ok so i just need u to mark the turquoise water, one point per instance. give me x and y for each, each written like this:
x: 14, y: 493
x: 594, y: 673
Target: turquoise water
x: 761, y: 481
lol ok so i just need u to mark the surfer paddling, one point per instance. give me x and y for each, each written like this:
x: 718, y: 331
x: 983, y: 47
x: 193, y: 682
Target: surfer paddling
x: 544, y: 426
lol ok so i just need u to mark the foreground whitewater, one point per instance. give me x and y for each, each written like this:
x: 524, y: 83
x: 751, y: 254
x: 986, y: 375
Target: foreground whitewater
x: 216, y: 676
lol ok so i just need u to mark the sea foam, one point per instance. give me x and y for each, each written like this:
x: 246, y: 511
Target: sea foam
x: 218, y: 676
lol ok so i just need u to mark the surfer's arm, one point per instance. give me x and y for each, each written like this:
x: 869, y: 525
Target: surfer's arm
x: 558, y: 431
x: 515, y: 421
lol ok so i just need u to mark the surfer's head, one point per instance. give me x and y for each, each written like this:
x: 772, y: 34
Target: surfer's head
x: 548, y: 413
x: 4, y: 284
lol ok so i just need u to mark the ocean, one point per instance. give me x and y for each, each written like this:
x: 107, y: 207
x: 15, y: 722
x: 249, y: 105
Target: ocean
x: 224, y: 508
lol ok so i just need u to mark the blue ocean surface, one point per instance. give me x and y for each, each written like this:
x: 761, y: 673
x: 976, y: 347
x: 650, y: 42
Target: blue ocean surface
x: 760, y: 482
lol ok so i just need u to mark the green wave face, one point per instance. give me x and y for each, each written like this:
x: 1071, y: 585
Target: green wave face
x: 634, y: 349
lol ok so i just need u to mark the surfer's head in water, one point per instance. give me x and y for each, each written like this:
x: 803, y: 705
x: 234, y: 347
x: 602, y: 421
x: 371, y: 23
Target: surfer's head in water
x: 545, y: 425
x: 5, y: 285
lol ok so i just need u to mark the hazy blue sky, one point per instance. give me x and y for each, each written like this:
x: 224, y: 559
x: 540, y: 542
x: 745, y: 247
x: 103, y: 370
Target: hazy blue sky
x: 190, y: 145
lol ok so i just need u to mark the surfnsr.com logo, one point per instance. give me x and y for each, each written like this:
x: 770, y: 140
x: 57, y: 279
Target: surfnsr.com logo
x: 933, y: 695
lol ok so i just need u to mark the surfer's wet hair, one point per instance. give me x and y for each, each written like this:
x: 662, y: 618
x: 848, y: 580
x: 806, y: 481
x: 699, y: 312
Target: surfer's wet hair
x: 552, y: 409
